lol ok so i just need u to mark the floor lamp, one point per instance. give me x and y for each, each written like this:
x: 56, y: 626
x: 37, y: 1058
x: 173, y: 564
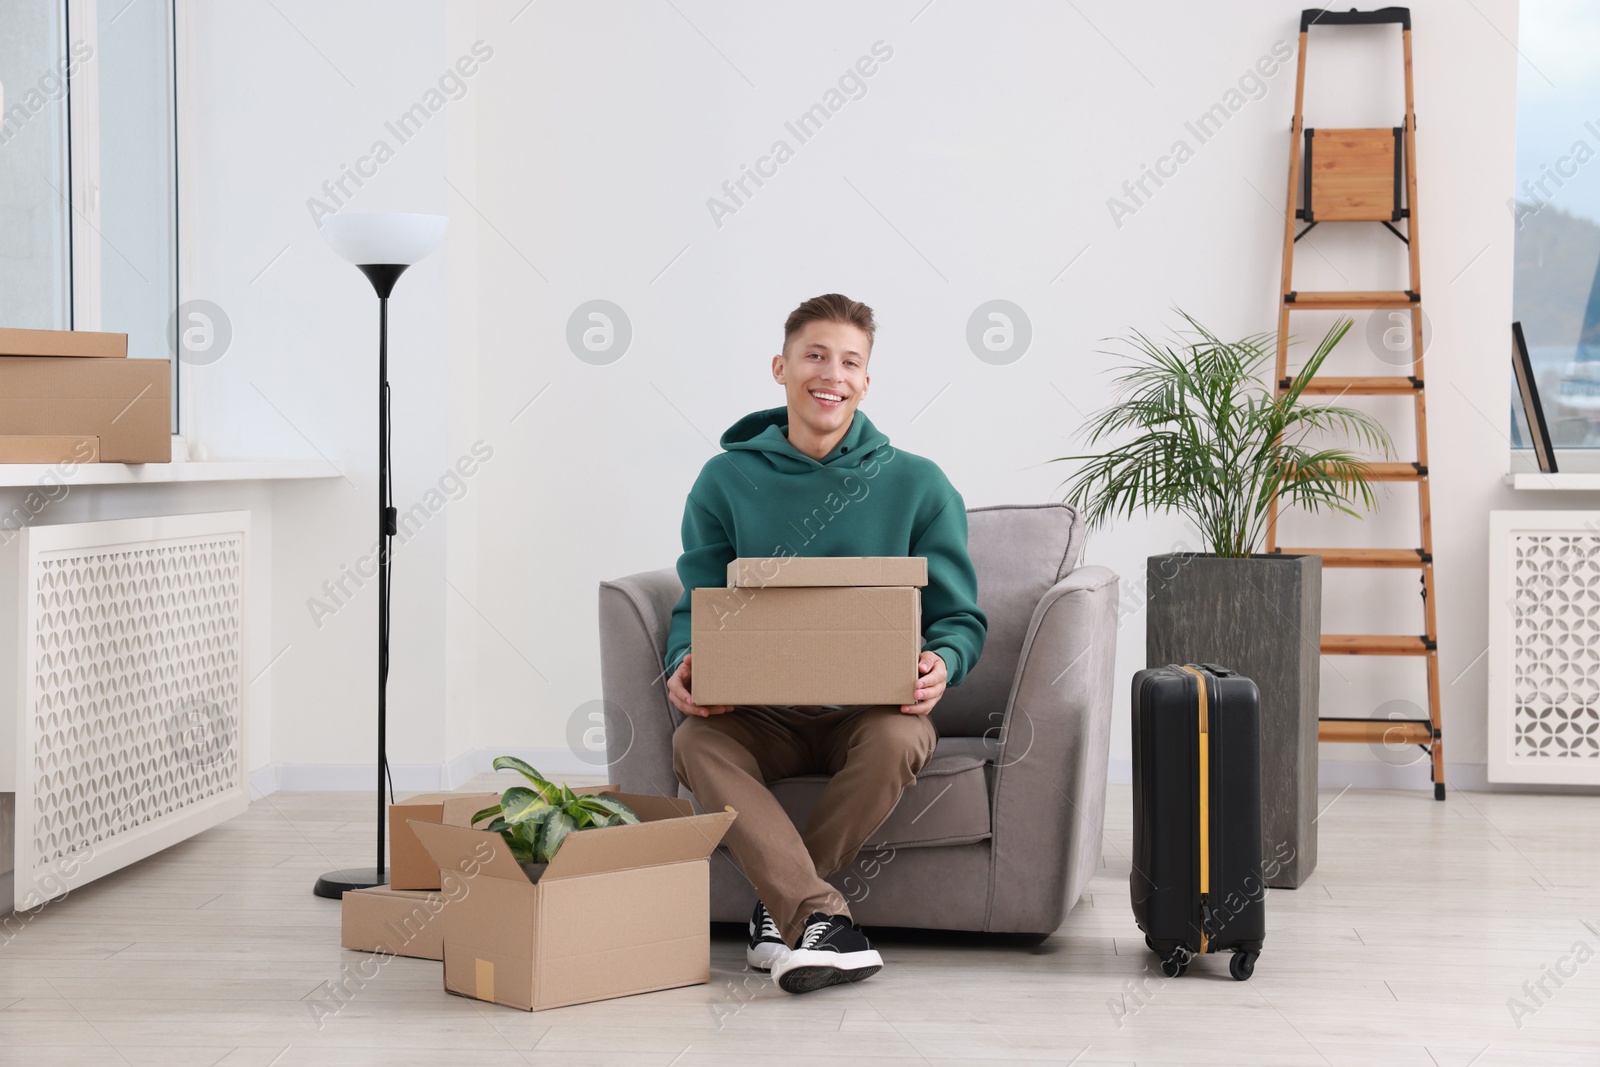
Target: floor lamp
x: 381, y: 246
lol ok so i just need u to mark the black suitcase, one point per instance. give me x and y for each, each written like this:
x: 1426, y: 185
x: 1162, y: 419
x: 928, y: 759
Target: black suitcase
x: 1196, y: 881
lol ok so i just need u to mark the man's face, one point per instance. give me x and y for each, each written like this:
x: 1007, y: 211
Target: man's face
x: 823, y: 370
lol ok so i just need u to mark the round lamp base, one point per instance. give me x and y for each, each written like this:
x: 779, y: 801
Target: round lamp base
x: 335, y: 884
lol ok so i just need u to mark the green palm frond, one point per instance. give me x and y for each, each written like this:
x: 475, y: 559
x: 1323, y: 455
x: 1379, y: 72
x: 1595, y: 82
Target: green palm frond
x: 1196, y: 430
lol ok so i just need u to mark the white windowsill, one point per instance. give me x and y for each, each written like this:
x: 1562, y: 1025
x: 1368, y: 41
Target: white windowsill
x: 249, y: 470
x: 1576, y: 480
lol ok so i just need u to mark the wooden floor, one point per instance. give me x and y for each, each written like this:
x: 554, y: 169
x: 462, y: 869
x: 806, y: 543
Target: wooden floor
x: 1421, y: 922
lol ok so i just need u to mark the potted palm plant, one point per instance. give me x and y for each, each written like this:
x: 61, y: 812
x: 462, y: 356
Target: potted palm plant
x: 536, y: 818
x: 1196, y: 430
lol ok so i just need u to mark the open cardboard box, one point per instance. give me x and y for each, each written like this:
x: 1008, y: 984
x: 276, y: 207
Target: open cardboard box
x: 619, y: 910
x: 810, y: 630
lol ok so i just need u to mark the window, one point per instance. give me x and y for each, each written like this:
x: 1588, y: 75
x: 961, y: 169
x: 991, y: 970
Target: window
x: 88, y: 170
x: 1556, y: 207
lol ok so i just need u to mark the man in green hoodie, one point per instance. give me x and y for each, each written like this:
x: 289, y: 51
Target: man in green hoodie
x: 816, y: 478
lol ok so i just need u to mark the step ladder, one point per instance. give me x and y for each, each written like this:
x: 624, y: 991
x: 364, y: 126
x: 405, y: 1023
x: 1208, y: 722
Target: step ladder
x: 1359, y: 175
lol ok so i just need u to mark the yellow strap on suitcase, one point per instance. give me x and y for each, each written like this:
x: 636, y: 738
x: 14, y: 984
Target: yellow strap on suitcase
x: 1205, y: 801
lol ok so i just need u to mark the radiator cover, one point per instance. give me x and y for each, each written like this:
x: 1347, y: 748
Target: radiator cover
x: 130, y: 714
x: 1544, y: 647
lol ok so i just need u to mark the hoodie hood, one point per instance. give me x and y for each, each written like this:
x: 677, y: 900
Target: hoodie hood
x: 763, y: 432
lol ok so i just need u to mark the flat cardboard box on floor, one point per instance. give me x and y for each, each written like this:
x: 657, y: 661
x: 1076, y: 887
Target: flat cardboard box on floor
x: 619, y: 910
x: 396, y: 922
x: 410, y: 866
x: 79, y: 343
x: 126, y: 403
x: 809, y: 631
x: 49, y: 448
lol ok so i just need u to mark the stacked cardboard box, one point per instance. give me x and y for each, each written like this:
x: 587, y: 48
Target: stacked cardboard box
x: 617, y: 911
x: 403, y: 918
x: 810, y: 630
x: 73, y: 396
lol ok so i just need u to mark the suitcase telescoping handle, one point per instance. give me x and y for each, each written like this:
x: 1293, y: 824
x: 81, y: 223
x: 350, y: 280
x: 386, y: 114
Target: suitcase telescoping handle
x: 1215, y: 668
x: 1204, y: 797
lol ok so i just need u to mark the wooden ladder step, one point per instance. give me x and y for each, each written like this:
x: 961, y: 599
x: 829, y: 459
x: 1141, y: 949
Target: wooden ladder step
x: 1376, y: 731
x: 1389, y: 298
x: 1395, y: 472
x: 1378, y: 385
x: 1376, y: 645
x: 1364, y: 557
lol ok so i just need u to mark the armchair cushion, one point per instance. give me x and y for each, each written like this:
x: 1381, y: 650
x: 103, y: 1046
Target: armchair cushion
x: 1019, y: 551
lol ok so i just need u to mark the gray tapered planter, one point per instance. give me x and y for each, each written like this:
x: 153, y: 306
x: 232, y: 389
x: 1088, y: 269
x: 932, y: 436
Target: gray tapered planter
x: 1262, y: 616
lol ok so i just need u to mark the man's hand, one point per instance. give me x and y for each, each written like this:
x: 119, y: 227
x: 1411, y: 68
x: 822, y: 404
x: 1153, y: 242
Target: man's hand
x: 930, y: 684
x: 678, y: 693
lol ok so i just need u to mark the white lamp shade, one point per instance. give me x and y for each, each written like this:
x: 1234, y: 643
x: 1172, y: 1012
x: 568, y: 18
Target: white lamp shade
x: 391, y: 237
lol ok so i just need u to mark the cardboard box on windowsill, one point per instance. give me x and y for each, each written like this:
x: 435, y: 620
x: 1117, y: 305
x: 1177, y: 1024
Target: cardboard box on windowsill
x: 125, y: 403
x: 49, y: 448
x: 82, y: 343
x: 619, y: 910
x: 810, y: 630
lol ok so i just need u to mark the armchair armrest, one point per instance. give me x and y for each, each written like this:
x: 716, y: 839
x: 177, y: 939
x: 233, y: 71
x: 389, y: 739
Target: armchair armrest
x: 1054, y: 742
x: 635, y: 616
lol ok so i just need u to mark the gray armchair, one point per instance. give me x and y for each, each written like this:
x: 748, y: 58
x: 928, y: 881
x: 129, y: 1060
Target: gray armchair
x: 1001, y: 831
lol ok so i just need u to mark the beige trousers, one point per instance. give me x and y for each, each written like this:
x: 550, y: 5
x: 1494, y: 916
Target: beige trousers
x: 873, y: 753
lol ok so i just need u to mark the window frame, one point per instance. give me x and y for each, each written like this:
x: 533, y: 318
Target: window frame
x: 84, y: 243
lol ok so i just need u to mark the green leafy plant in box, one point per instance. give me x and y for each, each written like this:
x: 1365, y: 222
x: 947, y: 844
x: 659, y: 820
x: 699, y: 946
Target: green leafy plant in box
x: 535, y: 819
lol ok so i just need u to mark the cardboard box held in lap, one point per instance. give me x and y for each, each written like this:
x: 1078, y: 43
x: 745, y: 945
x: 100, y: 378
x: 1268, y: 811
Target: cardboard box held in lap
x: 809, y: 630
x: 619, y: 910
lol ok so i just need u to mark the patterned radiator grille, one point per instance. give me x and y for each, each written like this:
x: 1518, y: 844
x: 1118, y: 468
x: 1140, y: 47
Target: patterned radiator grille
x: 137, y: 681
x: 1555, y: 712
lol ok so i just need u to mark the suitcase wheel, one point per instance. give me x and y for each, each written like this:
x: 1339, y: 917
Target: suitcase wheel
x: 1242, y: 965
x: 1174, y: 965
x: 1149, y: 944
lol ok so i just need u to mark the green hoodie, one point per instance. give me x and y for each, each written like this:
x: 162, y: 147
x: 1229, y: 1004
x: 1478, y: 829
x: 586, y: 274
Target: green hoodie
x: 764, y: 497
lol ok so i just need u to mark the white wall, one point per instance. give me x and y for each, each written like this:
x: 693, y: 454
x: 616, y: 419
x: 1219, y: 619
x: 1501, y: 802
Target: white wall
x: 577, y: 166
x: 978, y: 165
x: 284, y: 97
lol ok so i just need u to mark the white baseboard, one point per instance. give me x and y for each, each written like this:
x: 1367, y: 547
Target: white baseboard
x: 562, y: 763
x: 1355, y: 774
x: 412, y: 777
x: 263, y: 781
x: 1376, y: 774
x: 1359, y: 774
x: 556, y: 762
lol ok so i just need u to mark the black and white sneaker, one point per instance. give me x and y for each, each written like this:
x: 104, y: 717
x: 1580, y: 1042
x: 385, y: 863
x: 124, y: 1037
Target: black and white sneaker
x: 832, y: 950
x: 766, y: 943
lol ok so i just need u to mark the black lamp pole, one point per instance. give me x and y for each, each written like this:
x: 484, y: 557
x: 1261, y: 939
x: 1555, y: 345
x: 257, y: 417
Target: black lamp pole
x: 334, y: 884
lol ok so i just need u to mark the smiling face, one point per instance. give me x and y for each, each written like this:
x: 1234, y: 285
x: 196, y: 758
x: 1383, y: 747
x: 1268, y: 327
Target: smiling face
x: 823, y: 370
